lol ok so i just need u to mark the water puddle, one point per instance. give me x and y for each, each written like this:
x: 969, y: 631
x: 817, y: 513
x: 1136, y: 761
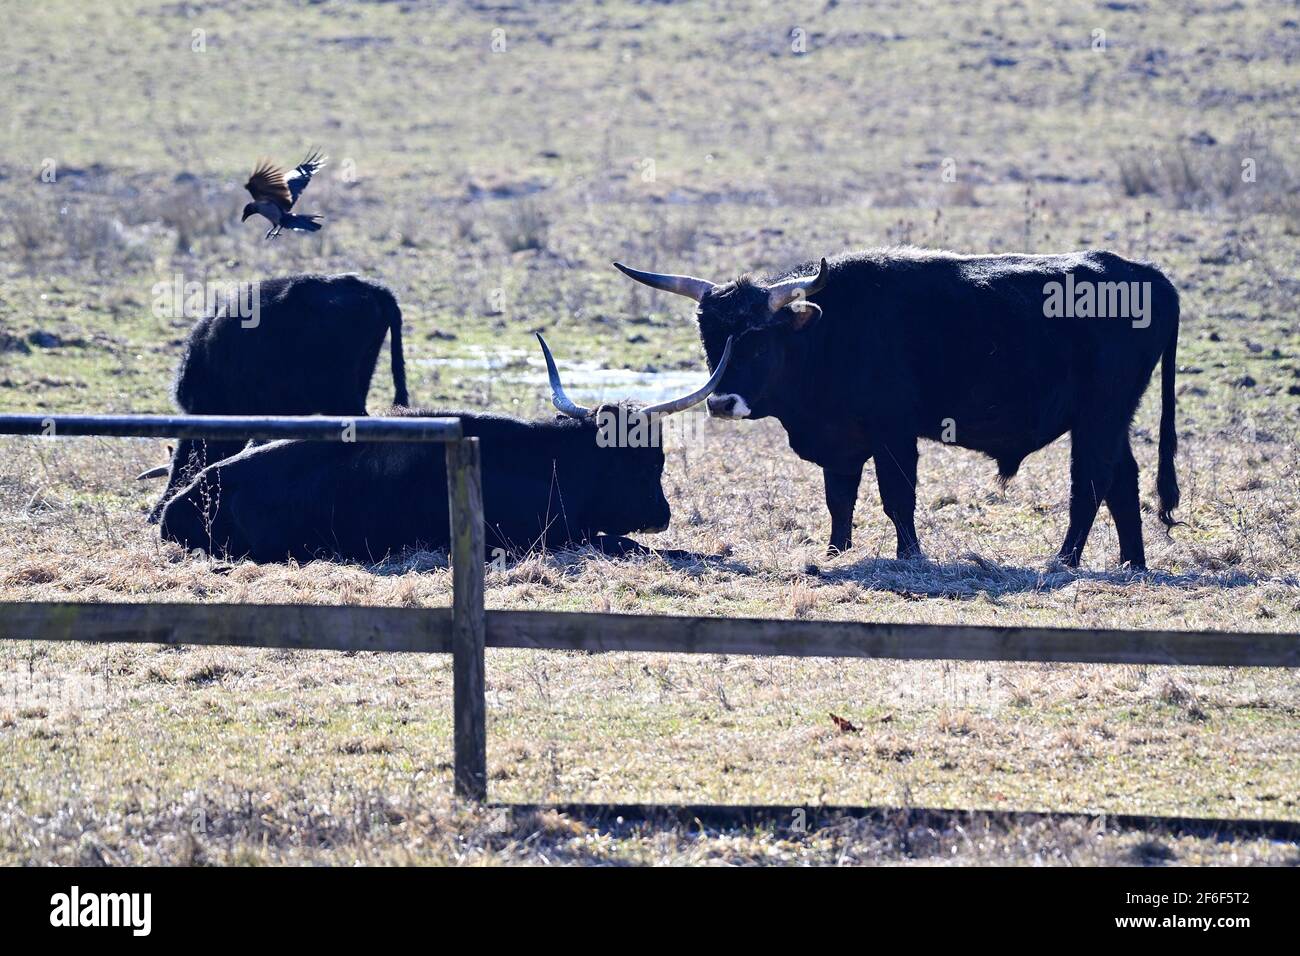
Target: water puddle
x: 586, y: 382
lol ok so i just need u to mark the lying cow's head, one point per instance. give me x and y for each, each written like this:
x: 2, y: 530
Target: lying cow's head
x: 760, y: 318
x: 629, y: 491
x: 627, y: 439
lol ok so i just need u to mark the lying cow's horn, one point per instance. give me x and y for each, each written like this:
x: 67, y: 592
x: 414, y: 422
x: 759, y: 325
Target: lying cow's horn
x: 159, y: 472
x: 697, y: 396
x: 558, y: 398
x: 689, y: 286
x: 783, y: 293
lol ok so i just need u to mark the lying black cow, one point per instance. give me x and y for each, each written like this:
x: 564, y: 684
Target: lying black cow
x: 311, y: 350
x: 545, y: 483
x: 859, y: 357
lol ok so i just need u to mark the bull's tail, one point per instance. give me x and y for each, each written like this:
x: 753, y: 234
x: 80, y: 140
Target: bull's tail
x: 1166, y: 480
x: 394, y: 313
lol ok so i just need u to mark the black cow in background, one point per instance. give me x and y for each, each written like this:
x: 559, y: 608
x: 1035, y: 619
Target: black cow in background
x: 311, y: 351
x: 862, y: 355
x: 550, y: 483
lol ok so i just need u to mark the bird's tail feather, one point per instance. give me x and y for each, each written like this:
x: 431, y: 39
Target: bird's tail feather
x: 301, y: 223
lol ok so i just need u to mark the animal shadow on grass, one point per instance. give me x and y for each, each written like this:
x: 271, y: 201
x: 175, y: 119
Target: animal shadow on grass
x: 690, y: 563
x: 568, y: 560
x: 975, y: 576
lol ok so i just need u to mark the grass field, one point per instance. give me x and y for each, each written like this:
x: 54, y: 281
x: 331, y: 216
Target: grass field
x: 488, y: 178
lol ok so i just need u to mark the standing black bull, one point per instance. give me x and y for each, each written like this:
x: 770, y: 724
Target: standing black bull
x: 548, y: 483
x: 309, y: 350
x: 1002, y: 354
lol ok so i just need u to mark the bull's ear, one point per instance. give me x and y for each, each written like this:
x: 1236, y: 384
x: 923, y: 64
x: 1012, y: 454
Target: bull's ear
x: 805, y: 314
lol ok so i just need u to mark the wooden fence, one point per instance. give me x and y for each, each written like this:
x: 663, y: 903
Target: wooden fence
x: 465, y: 629
x: 346, y: 626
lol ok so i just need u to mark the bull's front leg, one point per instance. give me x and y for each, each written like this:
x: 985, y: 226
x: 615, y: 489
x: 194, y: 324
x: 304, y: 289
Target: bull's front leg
x: 190, y: 457
x: 841, y: 497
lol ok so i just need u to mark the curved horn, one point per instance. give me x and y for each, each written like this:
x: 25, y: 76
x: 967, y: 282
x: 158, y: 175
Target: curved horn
x: 783, y: 293
x: 689, y: 286
x: 558, y: 398
x: 697, y: 396
x: 159, y: 472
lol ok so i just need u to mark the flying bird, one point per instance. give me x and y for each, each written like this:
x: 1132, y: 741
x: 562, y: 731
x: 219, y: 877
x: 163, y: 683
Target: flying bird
x: 274, y: 194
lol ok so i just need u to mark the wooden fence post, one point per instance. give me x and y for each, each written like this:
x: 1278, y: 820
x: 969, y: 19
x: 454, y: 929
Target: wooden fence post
x: 468, y: 624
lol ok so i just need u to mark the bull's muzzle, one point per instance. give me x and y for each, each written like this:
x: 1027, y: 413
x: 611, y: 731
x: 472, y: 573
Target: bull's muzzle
x: 728, y: 406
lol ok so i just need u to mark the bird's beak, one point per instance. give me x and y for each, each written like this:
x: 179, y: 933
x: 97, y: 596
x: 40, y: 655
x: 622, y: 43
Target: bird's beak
x: 244, y: 217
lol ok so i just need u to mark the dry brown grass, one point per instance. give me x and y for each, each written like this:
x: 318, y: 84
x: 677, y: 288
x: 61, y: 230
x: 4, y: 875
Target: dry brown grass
x: 346, y: 757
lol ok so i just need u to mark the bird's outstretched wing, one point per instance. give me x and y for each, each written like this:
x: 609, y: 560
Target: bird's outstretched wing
x: 302, y: 175
x: 267, y: 184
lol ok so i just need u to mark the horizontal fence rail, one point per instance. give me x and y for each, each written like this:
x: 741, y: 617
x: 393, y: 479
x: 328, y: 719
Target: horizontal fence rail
x: 281, y: 626
x: 757, y: 636
x: 350, y: 628
x: 234, y: 427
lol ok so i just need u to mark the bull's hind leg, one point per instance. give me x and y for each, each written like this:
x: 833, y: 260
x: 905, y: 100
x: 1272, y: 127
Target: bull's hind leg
x: 841, y: 497
x: 896, y: 479
x: 1092, y: 469
x: 1122, y: 500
